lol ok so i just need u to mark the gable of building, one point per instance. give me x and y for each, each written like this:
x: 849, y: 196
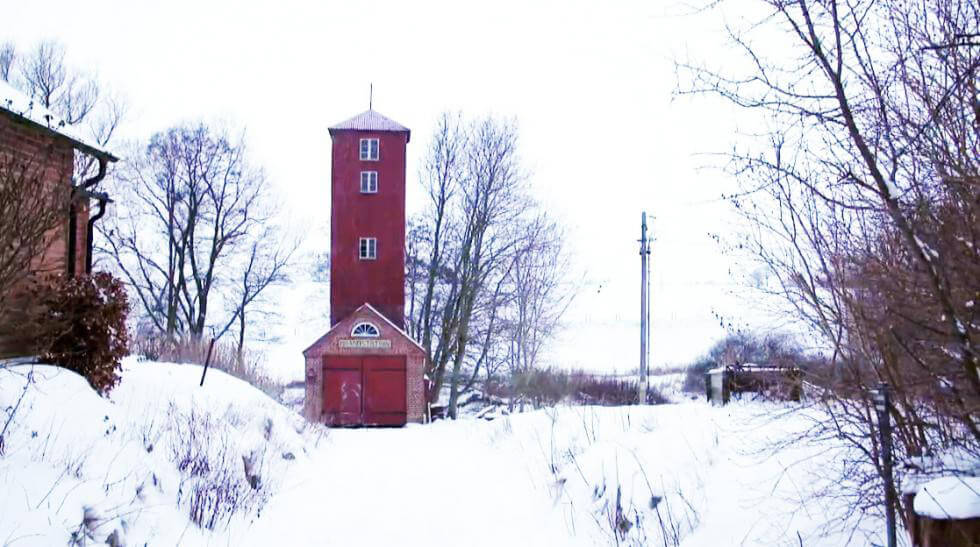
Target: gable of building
x: 340, y: 338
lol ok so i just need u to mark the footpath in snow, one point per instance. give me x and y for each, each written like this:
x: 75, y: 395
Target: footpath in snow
x: 688, y: 473
x: 133, y: 468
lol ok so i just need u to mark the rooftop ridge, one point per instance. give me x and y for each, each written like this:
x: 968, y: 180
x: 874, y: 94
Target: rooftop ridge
x: 369, y: 120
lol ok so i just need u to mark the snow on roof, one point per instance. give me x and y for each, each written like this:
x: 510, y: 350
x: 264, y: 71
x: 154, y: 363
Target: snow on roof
x: 750, y: 367
x: 949, y: 498
x: 369, y: 120
x: 26, y: 108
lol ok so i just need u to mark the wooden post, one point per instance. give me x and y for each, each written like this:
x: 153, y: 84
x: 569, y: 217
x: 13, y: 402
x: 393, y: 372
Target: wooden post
x: 207, y: 360
x: 882, y: 401
x: 726, y: 385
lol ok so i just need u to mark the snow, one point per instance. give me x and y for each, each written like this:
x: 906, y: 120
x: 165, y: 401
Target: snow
x: 82, y: 465
x: 553, y: 477
x: 891, y: 190
x: 949, y: 498
x: 448, y: 484
x: 11, y: 99
x: 688, y: 473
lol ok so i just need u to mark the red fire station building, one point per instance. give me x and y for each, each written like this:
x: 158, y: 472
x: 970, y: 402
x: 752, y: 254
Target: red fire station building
x: 366, y: 370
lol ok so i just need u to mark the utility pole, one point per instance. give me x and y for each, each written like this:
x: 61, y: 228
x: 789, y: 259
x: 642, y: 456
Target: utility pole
x: 644, y: 310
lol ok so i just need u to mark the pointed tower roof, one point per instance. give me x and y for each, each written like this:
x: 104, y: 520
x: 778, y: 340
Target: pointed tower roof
x: 369, y: 120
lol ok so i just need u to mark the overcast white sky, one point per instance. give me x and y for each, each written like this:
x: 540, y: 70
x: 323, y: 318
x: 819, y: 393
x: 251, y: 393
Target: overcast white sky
x: 589, y: 83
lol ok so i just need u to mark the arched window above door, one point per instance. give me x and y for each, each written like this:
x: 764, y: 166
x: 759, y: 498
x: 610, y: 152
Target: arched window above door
x: 365, y: 330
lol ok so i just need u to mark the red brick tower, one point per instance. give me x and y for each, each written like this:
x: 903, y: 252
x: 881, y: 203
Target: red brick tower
x: 367, y: 220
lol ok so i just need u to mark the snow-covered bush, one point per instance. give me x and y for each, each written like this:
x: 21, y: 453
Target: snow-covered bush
x: 83, y: 326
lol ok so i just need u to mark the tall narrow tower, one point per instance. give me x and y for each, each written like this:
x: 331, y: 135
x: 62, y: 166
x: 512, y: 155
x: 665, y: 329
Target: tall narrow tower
x: 367, y: 217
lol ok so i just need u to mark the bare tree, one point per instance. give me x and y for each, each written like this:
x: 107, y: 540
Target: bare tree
x: 49, y: 80
x: 863, y: 204
x: 8, y: 52
x: 266, y: 265
x: 197, y: 229
x: 481, y: 225
x: 492, y: 198
x: 541, y: 293
x: 78, y: 98
x: 417, y: 254
x: 442, y: 175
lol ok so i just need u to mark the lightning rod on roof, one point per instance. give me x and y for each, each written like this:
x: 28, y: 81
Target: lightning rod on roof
x: 371, y: 97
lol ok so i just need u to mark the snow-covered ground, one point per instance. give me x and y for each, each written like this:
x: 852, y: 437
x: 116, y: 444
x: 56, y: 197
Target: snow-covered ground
x: 79, y: 467
x: 75, y: 463
x: 690, y: 473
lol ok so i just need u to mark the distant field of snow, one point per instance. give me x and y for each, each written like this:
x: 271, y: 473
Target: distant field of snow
x: 128, y: 468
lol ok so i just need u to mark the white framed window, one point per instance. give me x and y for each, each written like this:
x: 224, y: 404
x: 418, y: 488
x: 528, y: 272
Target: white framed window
x: 369, y: 149
x: 368, y: 248
x: 369, y: 182
x: 365, y: 330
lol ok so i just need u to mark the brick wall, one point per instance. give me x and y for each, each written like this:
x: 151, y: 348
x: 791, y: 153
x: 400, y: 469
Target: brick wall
x: 400, y: 345
x: 51, y: 158
x: 353, y: 215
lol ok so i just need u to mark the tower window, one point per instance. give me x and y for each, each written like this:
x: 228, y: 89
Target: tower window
x: 368, y: 248
x: 369, y: 149
x: 369, y: 182
x: 365, y: 330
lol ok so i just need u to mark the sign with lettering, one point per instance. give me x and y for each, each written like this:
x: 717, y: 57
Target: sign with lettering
x: 364, y: 343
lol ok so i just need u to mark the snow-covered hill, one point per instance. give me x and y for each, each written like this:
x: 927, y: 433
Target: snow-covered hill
x: 161, y: 453
x: 132, y: 468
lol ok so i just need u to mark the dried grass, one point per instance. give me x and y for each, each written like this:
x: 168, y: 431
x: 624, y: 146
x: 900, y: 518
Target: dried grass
x: 225, y: 357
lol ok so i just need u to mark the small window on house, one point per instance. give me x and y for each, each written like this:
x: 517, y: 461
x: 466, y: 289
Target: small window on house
x: 369, y: 149
x: 369, y: 182
x: 368, y: 248
x: 365, y: 330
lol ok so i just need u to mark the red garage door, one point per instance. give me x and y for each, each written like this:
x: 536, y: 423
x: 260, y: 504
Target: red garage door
x: 364, y: 389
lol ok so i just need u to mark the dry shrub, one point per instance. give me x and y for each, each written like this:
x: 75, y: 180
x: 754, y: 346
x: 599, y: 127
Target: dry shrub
x: 743, y: 348
x: 549, y: 386
x: 604, y: 390
x: 216, y: 484
x: 225, y: 357
x: 82, y: 326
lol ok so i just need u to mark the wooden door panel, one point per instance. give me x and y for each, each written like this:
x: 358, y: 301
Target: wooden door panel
x: 364, y: 390
x: 384, y: 390
x: 342, y: 391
